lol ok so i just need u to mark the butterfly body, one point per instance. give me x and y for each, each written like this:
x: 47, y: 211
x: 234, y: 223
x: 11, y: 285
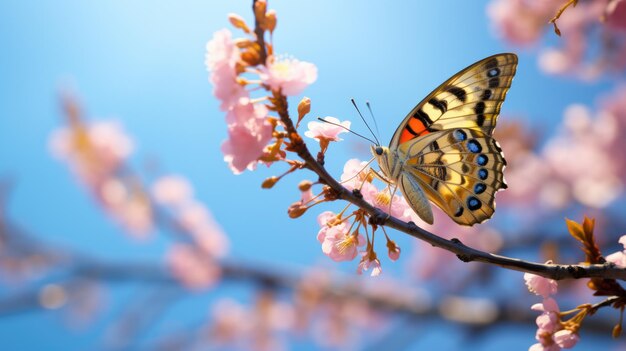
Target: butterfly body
x: 443, y: 151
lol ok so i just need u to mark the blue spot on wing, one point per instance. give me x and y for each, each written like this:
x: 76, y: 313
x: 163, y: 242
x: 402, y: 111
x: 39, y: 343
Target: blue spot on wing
x: 483, y: 174
x: 474, y: 146
x: 482, y: 159
x: 479, y: 188
x: 459, y: 135
x: 473, y: 203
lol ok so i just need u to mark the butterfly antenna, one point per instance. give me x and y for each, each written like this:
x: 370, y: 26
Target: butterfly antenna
x: 364, y: 121
x: 367, y: 103
x: 348, y: 129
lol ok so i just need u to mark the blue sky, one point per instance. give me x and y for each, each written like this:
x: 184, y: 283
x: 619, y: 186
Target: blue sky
x: 142, y: 63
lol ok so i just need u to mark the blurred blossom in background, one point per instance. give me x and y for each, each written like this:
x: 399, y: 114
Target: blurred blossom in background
x: 129, y: 219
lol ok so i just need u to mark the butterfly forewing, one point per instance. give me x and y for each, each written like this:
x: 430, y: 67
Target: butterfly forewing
x: 460, y: 170
x: 470, y: 99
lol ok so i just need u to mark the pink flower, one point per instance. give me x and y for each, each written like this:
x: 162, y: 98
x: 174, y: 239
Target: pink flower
x: 540, y: 285
x: 619, y: 258
x: 540, y: 347
x: 519, y: 21
x: 207, y: 234
x: 616, y: 14
x: 381, y: 199
x: 369, y: 260
x: 393, y: 250
x: 327, y: 220
x: 221, y: 60
x: 547, y: 322
x: 172, y: 190
x: 355, y: 172
x: 192, y: 268
x: 548, y: 305
x: 248, y: 134
x: 326, y: 131
x: 127, y: 205
x: 548, y: 325
x: 221, y: 51
x: 94, y: 152
x: 290, y: 76
x: 341, y: 245
x: 566, y: 338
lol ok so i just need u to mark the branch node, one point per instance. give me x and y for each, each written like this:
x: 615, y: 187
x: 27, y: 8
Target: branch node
x: 357, y: 193
x: 463, y: 256
x: 378, y: 218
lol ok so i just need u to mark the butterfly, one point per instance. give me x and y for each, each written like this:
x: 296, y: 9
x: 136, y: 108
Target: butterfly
x: 443, y: 150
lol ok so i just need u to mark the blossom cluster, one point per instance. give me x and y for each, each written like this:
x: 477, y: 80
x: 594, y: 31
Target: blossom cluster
x: 523, y: 22
x: 236, y: 68
x: 193, y: 261
x: 97, y: 153
x: 552, y: 333
x: 559, y: 174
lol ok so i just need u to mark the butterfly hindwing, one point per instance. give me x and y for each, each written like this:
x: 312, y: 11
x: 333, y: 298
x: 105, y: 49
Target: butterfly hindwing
x: 470, y: 99
x: 460, y: 170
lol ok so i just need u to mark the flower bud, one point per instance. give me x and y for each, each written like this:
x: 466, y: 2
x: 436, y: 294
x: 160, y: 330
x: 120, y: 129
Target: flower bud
x: 269, y: 182
x: 296, y: 210
x: 617, y: 331
x: 260, y: 6
x: 238, y: 22
x: 393, y: 250
x: 304, y: 107
x: 305, y: 185
x: 270, y: 21
x: 251, y: 57
x: 243, y: 43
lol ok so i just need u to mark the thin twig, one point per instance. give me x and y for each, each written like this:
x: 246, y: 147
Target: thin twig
x: 559, y: 13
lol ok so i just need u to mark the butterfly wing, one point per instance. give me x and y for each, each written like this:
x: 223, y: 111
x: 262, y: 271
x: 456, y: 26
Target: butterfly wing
x: 469, y: 99
x: 446, y: 145
x: 460, y: 170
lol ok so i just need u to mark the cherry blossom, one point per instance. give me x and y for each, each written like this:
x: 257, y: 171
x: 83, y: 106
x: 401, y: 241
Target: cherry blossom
x: 619, y: 258
x: 327, y: 221
x: 566, y: 338
x: 172, y: 190
x: 221, y: 60
x: 192, y: 268
x: 341, y: 245
x: 325, y: 131
x: 369, y: 260
x: 206, y: 233
x: 97, y: 152
x: 616, y: 14
x: 393, y: 250
x: 382, y: 199
x: 540, y: 285
x: 248, y: 134
x: 94, y: 151
x: 290, y: 76
x: 521, y: 22
x: 355, y: 173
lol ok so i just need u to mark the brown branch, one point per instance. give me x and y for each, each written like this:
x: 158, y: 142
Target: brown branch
x: 260, y: 35
x: 463, y: 252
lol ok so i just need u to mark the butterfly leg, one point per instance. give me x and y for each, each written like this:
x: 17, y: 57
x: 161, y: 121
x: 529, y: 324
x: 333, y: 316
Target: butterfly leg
x: 381, y: 177
x: 391, y: 195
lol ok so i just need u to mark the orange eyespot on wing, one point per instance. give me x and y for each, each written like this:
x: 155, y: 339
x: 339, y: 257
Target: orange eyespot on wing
x: 418, y: 125
x: 469, y: 99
